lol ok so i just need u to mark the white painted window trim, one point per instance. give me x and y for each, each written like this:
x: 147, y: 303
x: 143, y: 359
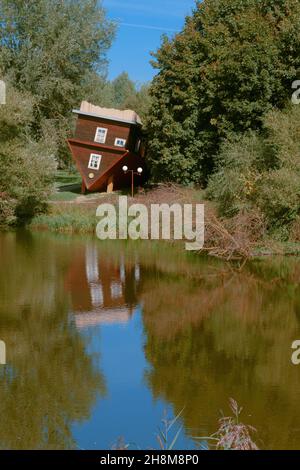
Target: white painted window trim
x: 118, y: 145
x: 105, y: 135
x: 92, y: 155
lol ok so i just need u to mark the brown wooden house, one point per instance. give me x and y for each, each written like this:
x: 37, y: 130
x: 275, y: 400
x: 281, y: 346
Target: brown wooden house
x: 105, y: 141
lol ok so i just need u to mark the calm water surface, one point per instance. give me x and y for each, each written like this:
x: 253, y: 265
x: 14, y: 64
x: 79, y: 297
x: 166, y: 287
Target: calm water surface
x: 103, y: 339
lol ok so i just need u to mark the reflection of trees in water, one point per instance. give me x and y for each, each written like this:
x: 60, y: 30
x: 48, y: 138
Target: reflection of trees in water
x: 208, y: 341
x: 209, y: 336
x: 50, y: 381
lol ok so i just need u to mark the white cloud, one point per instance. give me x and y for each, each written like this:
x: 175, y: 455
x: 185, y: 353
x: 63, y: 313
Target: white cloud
x: 144, y: 26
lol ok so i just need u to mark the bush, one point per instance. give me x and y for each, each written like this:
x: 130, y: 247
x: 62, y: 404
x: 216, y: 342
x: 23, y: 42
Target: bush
x: 262, y: 171
x: 295, y: 231
x: 233, y: 61
x: 7, y: 210
x: 278, y: 196
x: 233, y: 185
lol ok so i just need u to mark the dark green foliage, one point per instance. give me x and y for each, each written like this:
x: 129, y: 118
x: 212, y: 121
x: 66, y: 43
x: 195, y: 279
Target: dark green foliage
x: 233, y: 61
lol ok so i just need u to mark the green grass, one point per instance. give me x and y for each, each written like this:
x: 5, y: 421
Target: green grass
x: 65, y: 177
x: 81, y: 219
x: 77, y: 218
x: 67, y: 219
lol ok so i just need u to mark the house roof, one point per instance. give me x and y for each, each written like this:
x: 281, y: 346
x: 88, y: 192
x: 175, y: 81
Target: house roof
x: 102, y: 316
x: 128, y: 116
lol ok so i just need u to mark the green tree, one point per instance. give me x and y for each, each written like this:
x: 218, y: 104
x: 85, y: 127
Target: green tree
x: 51, y: 49
x: 233, y: 61
x: 120, y: 93
x: 27, y: 166
x: 123, y: 89
x: 140, y: 101
x: 99, y: 91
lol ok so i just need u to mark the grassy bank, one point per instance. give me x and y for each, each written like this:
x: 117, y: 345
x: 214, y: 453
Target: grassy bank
x: 240, y: 237
x: 67, y: 186
x: 70, y: 212
x: 64, y: 218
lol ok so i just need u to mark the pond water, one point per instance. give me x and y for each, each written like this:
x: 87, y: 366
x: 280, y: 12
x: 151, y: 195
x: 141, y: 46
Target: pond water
x: 105, y: 339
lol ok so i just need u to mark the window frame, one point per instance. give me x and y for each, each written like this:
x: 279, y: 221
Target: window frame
x: 92, y: 155
x: 123, y: 140
x: 105, y: 135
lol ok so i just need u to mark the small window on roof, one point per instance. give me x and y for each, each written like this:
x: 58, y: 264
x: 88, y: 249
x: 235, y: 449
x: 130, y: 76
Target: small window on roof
x: 120, y: 142
x: 95, y: 160
x: 100, y: 135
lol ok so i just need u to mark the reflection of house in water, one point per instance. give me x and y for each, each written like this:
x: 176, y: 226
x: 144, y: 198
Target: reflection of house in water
x: 102, y: 291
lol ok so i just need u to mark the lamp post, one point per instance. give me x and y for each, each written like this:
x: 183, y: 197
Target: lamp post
x: 138, y: 172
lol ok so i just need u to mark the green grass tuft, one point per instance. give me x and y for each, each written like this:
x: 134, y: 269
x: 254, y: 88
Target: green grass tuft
x: 64, y: 219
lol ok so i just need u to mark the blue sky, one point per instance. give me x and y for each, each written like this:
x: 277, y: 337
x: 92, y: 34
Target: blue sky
x: 141, y: 25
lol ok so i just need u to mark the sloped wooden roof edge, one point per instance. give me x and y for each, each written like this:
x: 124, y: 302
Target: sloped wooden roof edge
x: 91, y: 184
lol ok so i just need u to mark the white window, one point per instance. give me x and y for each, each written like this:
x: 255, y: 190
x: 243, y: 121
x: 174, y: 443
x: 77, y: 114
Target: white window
x: 120, y: 142
x: 116, y: 290
x: 95, y: 160
x: 100, y: 135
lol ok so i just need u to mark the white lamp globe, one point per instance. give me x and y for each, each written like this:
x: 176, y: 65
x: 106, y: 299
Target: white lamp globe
x: 125, y: 168
x: 140, y: 171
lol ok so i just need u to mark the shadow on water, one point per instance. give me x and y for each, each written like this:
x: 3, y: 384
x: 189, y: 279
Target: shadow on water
x: 207, y: 332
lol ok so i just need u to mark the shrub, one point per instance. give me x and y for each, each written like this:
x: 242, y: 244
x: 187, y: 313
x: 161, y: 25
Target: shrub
x: 278, y: 196
x: 233, y: 185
